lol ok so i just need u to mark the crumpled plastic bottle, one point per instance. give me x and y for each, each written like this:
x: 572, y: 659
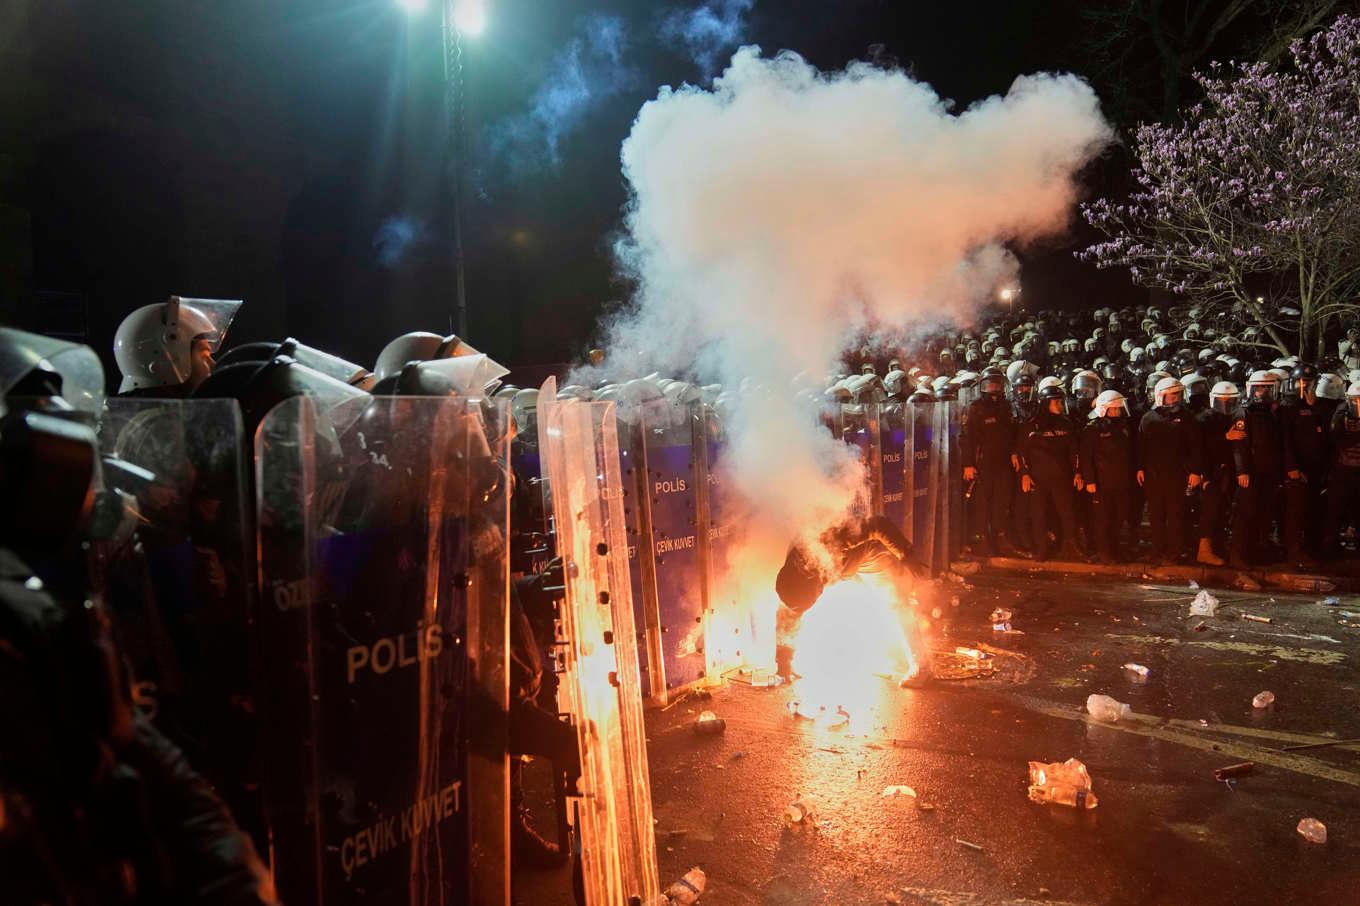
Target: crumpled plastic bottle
x: 1105, y: 709
x: 1263, y: 699
x: 687, y: 890
x: 1204, y: 604
x: 1061, y: 783
x: 1313, y: 830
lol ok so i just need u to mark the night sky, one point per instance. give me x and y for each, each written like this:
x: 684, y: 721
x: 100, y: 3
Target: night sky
x: 289, y: 154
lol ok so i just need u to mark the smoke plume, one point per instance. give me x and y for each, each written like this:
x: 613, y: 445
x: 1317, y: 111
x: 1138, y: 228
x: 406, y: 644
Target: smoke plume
x: 786, y: 210
x: 589, y: 70
x: 707, y: 31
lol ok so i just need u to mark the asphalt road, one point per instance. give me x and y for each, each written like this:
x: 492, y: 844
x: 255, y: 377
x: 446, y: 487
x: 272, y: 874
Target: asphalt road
x: 1165, y: 830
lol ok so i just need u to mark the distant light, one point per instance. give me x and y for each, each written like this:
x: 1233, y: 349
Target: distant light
x: 469, y: 16
x: 1008, y: 294
x: 413, y: 6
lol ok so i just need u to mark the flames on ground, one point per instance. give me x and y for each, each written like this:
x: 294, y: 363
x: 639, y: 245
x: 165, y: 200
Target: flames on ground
x: 852, y: 649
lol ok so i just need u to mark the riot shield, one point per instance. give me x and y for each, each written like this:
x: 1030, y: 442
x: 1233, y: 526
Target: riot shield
x: 601, y: 686
x: 942, y: 483
x: 181, y: 584
x: 924, y: 486
x: 953, y: 479
x: 662, y: 460
x: 382, y: 635
x: 896, y: 461
x: 860, y: 424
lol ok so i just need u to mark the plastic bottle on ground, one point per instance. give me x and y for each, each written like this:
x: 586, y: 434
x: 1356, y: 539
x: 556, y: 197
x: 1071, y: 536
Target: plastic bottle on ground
x: 1313, y: 830
x: 1061, y: 783
x: 1138, y: 671
x: 1204, y: 604
x: 1263, y: 700
x: 688, y: 889
x: 1106, y: 709
x: 709, y: 724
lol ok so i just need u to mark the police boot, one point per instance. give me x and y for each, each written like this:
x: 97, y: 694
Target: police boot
x: 531, y: 848
x: 1206, y: 553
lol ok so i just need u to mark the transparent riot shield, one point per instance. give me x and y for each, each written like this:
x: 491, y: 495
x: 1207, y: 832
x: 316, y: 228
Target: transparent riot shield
x: 956, y: 514
x: 601, y: 687
x: 860, y: 424
x: 925, y: 488
x: 896, y: 461
x: 661, y: 451
x: 179, y: 577
x: 382, y: 636
x: 942, y: 481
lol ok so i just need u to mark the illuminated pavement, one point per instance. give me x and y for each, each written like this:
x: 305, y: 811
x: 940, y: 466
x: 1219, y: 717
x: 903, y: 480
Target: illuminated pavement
x: 1165, y: 831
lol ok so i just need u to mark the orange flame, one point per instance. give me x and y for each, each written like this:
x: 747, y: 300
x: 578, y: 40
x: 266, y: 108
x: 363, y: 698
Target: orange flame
x: 851, y: 648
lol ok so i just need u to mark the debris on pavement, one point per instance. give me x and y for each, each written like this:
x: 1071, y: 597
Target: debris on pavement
x: 1319, y: 584
x: 1061, y: 782
x: 1263, y: 700
x: 1137, y: 672
x: 973, y: 653
x: 1234, y: 770
x: 890, y: 791
x: 1255, y: 619
x: 1313, y: 830
x: 1000, y: 615
x: 975, y: 847
x: 688, y: 889
x: 1204, y: 605
x: 709, y: 724
x: 967, y: 568
x: 800, y: 812
x: 1106, y: 709
x: 1246, y: 583
x: 1330, y: 601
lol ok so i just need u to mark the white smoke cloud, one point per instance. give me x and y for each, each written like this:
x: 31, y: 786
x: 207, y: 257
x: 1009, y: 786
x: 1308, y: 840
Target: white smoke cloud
x: 708, y: 31
x: 786, y: 210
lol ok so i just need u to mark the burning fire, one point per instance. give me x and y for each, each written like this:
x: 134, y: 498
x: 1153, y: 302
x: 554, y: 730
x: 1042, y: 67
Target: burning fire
x: 851, y: 648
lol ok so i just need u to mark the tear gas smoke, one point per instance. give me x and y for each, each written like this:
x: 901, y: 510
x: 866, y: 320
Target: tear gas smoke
x: 707, y: 31
x: 587, y: 72
x: 786, y: 210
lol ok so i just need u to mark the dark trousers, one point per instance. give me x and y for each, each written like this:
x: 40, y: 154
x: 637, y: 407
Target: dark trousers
x: 1304, y: 512
x: 1214, y: 506
x: 1166, y: 513
x: 991, y: 501
x: 1109, y: 512
x: 1343, y: 504
x: 1056, y: 492
x: 1022, y: 517
x: 1253, y: 517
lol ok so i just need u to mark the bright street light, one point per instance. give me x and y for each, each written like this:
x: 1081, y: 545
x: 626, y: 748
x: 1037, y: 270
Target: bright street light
x: 1008, y: 294
x: 469, y: 16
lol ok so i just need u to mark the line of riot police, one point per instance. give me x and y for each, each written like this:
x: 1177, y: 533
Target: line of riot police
x: 1066, y: 443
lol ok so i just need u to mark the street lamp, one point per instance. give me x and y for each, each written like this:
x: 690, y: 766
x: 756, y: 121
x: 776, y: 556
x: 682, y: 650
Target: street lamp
x: 1008, y: 294
x: 457, y: 18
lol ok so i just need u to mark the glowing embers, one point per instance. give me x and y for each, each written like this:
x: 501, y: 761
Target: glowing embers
x: 852, y: 649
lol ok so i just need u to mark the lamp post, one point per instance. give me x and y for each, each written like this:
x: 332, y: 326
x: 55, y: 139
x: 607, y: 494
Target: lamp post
x: 457, y: 18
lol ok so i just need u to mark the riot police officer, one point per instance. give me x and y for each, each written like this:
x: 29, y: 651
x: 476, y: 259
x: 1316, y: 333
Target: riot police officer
x: 1304, y: 430
x: 1169, y: 458
x: 1107, y: 466
x: 1048, y: 472
x: 1223, y: 433
x: 1255, y: 512
x: 987, y: 442
x: 1343, y: 480
x: 98, y: 807
x: 165, y: 350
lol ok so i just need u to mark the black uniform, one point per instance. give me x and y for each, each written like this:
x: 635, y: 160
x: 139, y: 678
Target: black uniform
x: 1304, y: 431
x: 1256, y: 507
x: 1108, y: 460
x: 1048, y: 456
x: 1224, y: 461
x: 987, y: 442
x: 1343, y: 479
x: 117, y: 814
x: 1168, y: 453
